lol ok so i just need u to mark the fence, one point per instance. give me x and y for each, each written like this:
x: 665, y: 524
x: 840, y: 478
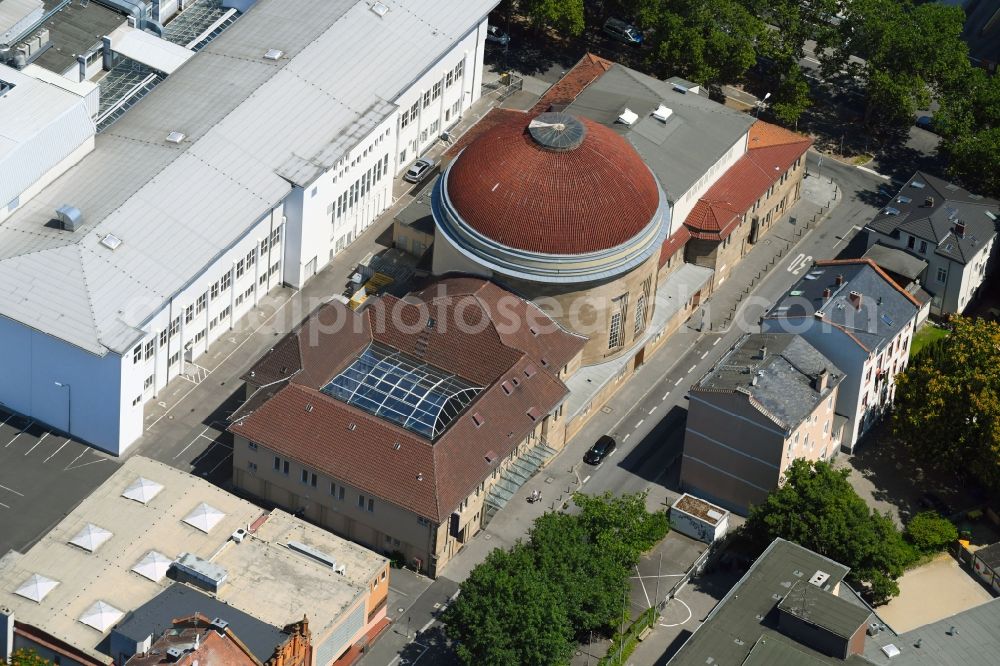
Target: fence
x: 754, y: 281
x: 505, y: 86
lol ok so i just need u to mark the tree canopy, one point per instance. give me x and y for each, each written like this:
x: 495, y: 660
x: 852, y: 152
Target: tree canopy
x: 564, y: 16
x: 526, y: 605
x: 22, y: 657
x: 817, y: 508
x: 947, y: 406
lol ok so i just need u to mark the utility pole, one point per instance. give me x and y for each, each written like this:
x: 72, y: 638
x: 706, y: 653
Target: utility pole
x: 656, y: 595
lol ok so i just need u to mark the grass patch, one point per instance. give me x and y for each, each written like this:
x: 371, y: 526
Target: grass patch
x: 926, y: 335
x: 861, y: 159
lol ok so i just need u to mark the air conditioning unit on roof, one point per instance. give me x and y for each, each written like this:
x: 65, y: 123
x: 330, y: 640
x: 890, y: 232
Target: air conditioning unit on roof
x: 662, y: 113
x: 628, y: 117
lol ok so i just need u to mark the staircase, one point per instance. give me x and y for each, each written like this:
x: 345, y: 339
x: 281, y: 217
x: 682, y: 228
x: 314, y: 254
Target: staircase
x: 515, y: 476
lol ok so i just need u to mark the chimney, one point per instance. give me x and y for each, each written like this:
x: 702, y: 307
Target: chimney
x: 827, y: 293
x: 960, y: 228
x: 929, y: 202
x: 821, y: 380
x: 856, y: 299
x: 840, y: 280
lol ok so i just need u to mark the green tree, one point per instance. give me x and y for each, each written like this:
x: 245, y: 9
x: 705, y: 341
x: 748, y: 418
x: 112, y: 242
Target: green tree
x: 621, y: 526
x: 563, y: 16
x: 947, y: 406
x: 22, y: 657
x: 908, y: 54
x: 508, y: 614
x: 969, y: 122
x: 929, y: 532
x: 791, y: 94
x: 589, y: 580
x: 817, y: 508
x: 707, y: 41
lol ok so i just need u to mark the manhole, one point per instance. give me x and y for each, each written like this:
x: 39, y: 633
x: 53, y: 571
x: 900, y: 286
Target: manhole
x: 549, y: 479
x: 607, y: 410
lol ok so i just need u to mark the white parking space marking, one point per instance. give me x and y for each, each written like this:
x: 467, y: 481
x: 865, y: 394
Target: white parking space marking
x: 37, y: 443
x: 6, y: 506
x: 641, y: 421
x: 9, y: 417
x: 643, y: 587
x: 692, y: 368
x: 587, y: 478
x: 678, y: 382
x: 82, y: 453
x: 199, y: 435
x: 717, y: 341
x: 52, y: 455
x: 625, y: 438
x: 652, y: 410
x: 30, y: 423
x: 704, y: 356
x: 227, y: 458
x: 665, y: 396
x: 11, y: 490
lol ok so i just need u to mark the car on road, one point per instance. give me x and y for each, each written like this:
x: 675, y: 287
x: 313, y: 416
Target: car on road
x: 623, y: 32
x: 603, y: 448
x: 926, y: 123
x: 419, y: 170
x: 497, y: 36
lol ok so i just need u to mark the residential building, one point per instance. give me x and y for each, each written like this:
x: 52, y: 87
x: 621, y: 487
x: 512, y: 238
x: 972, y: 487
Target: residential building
x: 854, y: 314
x: 406, y: 425
x: 146, y: 286
x: 769, y: 400
x: 152, y: 544
x: 750, y: 197
x: 950, y: 229
x: 226, y: 637
x: 793, y: 607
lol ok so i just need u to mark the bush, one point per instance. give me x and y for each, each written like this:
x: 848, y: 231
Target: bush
x: 397, y: 560
x: 929, y: 532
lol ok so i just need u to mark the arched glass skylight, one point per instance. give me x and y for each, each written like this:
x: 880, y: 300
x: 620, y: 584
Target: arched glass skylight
x: 399, y: 388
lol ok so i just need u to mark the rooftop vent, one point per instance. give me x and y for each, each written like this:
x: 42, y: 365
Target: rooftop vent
x: 219, y: 623
x: 819, y: 578
x: 929, y: 202
x: 70, y: 216
x: 903, y: 200
x: 174, y: 653
x: 628, y: 117
x: 239, y: 535
x: 918, y: 185
x: 662, y: 113
x: 206, y: 575
x: 314, y: 553
x: 111, y: 242
x: 890, y: 650
x: 176, y: 137
x: 273, y: 54
x: 380, y: 8
x: 960, y: 228
x: 397, y: 446
x: 889, y: 210
x: 819, y: 314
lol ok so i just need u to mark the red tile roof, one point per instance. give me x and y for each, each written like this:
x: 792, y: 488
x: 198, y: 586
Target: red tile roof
x: 515, y: 191
x: 587, y: 70
x: 674, y: 244
x: 771, y: 151
x: 428, y: 478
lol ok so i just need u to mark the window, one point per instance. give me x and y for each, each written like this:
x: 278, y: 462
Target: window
x: 212, y: 324
x: 239, y: 300
x: 616, y: 338
x: 263, y: 243
x: 274, y: 268
x: 137, y: 353
x: 923, y: 247
x: 241, y: 268
x: 305, y: 476
x: 201, y: 303
x: 435, y: 126
x: 427, y: 99
x: 277, y: 463
x: 436, y: 90
x: 312, y: 481
x: 640, y: 313
x: 402, y: 157
x: 251, y: 258
x: 199, y: 336
x: 224, y: 313
x: 163, y: 338
x: 226, y: 281
x: 942, y: 274
x: 252, y: 446
x: 215, y: 290
x: 188, y: 314
x: 176, y: 356
x: 404, y: 119
x: 284, y: 467
x: 263, y: 279
x: 175, y: 326
x: 449, y: 78
x: 361, y: 501
x: 459, y: 68
x: 423, y: 521
x: 148, y: 383
x: 252, y: 467
x: 136, y: 400
x: 275, y: 237
x: 371, y: 505
x: 340, y: 493
x: 911, y: 241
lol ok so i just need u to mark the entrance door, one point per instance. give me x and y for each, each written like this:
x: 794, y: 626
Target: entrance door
x: 640, y: 358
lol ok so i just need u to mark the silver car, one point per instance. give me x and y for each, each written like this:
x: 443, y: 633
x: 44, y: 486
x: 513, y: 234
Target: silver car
x: 419, y: 170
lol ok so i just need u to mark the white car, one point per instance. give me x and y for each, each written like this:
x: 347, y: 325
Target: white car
x: 418, y: 170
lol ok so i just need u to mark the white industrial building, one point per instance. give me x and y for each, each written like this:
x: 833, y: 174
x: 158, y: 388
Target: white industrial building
x: 250, y: 166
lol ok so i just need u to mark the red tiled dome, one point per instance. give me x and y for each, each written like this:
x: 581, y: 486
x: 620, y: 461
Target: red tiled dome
x: 576, y: 199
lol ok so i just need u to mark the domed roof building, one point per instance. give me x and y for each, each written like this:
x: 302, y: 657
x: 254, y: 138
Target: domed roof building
x: 561, y: 210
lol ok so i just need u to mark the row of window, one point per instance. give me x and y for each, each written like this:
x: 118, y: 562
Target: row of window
x: 145, y: 351
x: 311, y: 479
x: 347, y: 200
x: 451, y: 77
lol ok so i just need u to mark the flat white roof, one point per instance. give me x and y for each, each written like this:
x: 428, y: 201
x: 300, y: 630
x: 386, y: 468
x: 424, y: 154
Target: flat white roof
x: 72, y: 594
x: 254, y: 128
x: 161, y: 55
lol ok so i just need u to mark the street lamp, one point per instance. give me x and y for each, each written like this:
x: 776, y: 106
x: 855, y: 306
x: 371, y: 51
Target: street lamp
x: 756, y: 112
x: 69, y: 405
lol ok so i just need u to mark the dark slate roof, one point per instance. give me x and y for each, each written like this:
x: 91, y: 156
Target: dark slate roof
x: 909, y: 212
x: 748, y: 612
x: 894, y: 260
x: 811, y: 604
x: 990, y: 556
x: 776, y: 650
x: 177, y: 601
x: 679, y: 151
x: 975, y: 641
x: 779, y: 382
x: 885, y: 306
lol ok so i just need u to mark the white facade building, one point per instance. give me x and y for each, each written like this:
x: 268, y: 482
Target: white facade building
x: 207, y: 195
x: 855, y: 315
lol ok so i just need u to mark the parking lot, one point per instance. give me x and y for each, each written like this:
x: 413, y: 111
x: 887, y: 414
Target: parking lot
x: 43, y: 476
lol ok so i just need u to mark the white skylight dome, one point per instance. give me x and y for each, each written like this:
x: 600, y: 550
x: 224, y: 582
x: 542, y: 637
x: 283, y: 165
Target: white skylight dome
x: 101, y: 616
x: 204, y: 517
x: 153, y: 565
x: 90, y: 537
x: 36, y: 587
x: 142, y: 490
